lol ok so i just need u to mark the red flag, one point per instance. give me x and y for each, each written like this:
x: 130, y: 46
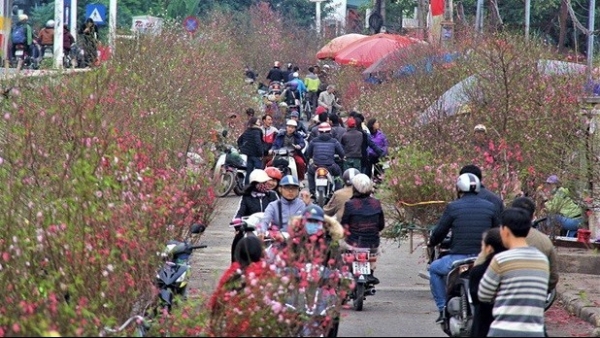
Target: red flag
x: 437, y: 7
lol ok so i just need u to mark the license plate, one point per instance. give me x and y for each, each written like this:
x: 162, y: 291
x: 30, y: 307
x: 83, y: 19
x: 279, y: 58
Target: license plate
x: 363, y: 268
x: 321, y: 181
x: 19, y: 53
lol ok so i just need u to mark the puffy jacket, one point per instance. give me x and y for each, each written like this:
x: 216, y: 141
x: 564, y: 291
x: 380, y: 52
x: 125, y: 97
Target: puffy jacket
x: 46, y: 36
x: 323, y: 149
x: 312, y: 82
x: 468, y: 217
x: 363, y: 218
x: 280, y: 138
x: 275, y: 74
x: 250, y: 142
x: 380, y: 140
x: 288, y: 209
x: 254, y: 202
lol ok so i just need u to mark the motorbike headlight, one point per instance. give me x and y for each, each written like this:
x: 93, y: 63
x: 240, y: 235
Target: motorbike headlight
x: 463, y: 268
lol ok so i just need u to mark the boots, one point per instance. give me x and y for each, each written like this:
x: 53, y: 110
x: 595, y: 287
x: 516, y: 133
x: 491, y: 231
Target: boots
x: 372, y: 279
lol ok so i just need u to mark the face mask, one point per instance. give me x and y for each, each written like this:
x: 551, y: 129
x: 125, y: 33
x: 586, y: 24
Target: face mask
x: 313, y: 227
x: 262, y: 187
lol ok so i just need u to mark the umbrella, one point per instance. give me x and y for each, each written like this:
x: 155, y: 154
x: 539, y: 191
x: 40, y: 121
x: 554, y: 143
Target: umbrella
x: 396, y: 59
x: 330, y: 50
x: 368, y: 50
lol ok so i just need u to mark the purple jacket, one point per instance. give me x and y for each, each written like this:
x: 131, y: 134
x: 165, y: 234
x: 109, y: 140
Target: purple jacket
x: 381, y: 141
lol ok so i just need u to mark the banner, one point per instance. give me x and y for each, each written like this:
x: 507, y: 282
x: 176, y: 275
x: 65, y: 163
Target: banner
x: 437, y: 7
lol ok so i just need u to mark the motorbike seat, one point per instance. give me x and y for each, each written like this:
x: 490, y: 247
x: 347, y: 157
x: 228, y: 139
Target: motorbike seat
x: 469, y: 260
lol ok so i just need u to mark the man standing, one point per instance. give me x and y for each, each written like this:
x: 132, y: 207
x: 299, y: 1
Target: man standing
x: 312, y: 83
x: 328, y: 100
x: 516, y: 281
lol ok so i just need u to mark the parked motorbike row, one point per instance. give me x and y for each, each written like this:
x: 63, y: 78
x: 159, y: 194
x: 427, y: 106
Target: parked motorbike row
x: 71, y: 59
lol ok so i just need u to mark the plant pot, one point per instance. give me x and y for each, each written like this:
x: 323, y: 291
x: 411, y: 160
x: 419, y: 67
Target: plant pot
x: 583, y: 235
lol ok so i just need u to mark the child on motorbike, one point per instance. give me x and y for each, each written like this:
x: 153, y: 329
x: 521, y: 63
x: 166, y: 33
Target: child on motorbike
x: 257, y: 195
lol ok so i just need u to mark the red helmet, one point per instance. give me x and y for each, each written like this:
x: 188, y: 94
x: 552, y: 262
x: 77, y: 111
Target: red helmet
x: 274, y: 173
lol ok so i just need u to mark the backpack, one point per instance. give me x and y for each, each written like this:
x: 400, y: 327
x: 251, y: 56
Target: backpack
x: 19, y: 34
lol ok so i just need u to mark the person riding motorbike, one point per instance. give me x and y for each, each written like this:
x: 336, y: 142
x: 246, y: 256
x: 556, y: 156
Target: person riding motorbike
x: 468, y: 217
x: 275, y: 74
x: 291, y: 138
x: 363, y: 219
x: 275, y: 176
x: 257, y: 195
x: 314, y: 239
x: 279, y: 212
x: 335, y: 206
x: 322, y: 151
x: 46, y: 36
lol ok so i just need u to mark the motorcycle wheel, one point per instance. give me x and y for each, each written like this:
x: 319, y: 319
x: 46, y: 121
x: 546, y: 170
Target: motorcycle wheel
x: 320, y: 197
x: 238, y: 188
x: 550, y: 299
x: 360, y: 297
x: 225, y: 184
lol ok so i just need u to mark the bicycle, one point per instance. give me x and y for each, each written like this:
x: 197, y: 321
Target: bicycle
x: 142, y: 327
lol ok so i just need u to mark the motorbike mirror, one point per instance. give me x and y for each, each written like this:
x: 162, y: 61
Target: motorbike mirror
x: 197, y: 228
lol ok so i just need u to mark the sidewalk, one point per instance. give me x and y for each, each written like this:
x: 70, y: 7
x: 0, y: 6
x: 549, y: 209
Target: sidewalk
x: 578, y: 288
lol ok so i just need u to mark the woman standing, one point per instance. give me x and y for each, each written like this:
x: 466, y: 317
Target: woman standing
x: 89, y: 40
x: 250, y: 144
x: 379, y: 138
x: 491, y: 244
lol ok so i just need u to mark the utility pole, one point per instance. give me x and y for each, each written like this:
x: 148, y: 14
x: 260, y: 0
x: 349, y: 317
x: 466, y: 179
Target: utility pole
x: 527, y: 18
x: 479, y: 17
x: 112, y: 25
x: 59, y: 17
x: 590, y: 39
x: 318, y: 15
x: 422, y: 18
x: 73, y: 19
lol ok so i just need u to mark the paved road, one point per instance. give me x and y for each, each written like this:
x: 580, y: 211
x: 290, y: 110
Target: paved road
x: 402, y: 307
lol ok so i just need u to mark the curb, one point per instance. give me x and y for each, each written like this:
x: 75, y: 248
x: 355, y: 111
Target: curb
x: 576, y: 304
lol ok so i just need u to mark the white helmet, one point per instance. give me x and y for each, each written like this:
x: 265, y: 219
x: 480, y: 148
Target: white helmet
x: 50, y: 24
x: 291, y: 123
x: 468, y: 183
x: 362, y: 183
x: 259, y: 176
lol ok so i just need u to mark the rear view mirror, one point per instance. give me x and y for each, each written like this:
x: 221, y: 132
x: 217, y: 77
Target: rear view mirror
x: 197, y: 228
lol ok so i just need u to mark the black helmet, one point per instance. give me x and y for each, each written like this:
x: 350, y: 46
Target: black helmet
x: 349, y: 175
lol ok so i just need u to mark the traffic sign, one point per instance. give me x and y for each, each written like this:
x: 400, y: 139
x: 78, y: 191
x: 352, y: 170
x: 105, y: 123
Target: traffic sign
x: 191, y: 24
x: 96, y: 12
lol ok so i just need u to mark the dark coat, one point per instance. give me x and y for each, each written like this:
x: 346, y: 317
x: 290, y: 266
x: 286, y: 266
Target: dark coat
x: 250, y: 142
x: 363, y: 218
x: 323, y: 149
x: 468, y: 217
x: 250, y: 204
x: 482, y: 316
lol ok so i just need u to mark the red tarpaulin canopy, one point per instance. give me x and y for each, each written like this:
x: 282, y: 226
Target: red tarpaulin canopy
x: 330, y: 50
x: 370, y: 49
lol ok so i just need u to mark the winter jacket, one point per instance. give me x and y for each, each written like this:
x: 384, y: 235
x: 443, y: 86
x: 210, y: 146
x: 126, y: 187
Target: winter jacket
x: 490, y: 196
x: 68, y: 39
x: 250, y: 142
x: 46, y: 36
x: 299, y: 85
x: 288, y: 209
x: 323, y: 149
x: 468, y: 217
x: 363, y: 219
x: 352, y: 141
x: 381, y: 141
x: 275, y: 74
x: 280, y: 138
x: 314, y: 133
x: 338, y: 131
x: 312, y: 82
x: 254, y: 202
x: 335, y: 206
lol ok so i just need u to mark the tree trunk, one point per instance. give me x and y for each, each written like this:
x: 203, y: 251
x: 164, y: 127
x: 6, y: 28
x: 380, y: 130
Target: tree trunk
x: 563, y: 17
x: 495, y: 18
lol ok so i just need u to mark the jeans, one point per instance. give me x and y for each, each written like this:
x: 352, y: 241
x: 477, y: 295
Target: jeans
x: 437, y: 277
x: 251, y: 164
x: 569, y: 225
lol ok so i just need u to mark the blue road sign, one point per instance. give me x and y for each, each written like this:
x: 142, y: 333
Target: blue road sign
x: 96, y: 12
x: 190, y: 24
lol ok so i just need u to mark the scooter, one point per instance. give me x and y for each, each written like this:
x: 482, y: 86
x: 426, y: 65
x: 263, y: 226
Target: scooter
x: 172, y: 278
x: 359, y: 262
x: 324, y: 186
x: 284, y: 161
x: 230, y: 172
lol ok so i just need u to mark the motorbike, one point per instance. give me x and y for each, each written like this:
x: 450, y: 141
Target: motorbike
x: 48, y: 51
x: 317, y: 306
x: 172, y: 278
x: 324, y: 185
x: 284, y: 161
x: 21, y: 53
x: 359, y: 262
x: 231, y: 169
